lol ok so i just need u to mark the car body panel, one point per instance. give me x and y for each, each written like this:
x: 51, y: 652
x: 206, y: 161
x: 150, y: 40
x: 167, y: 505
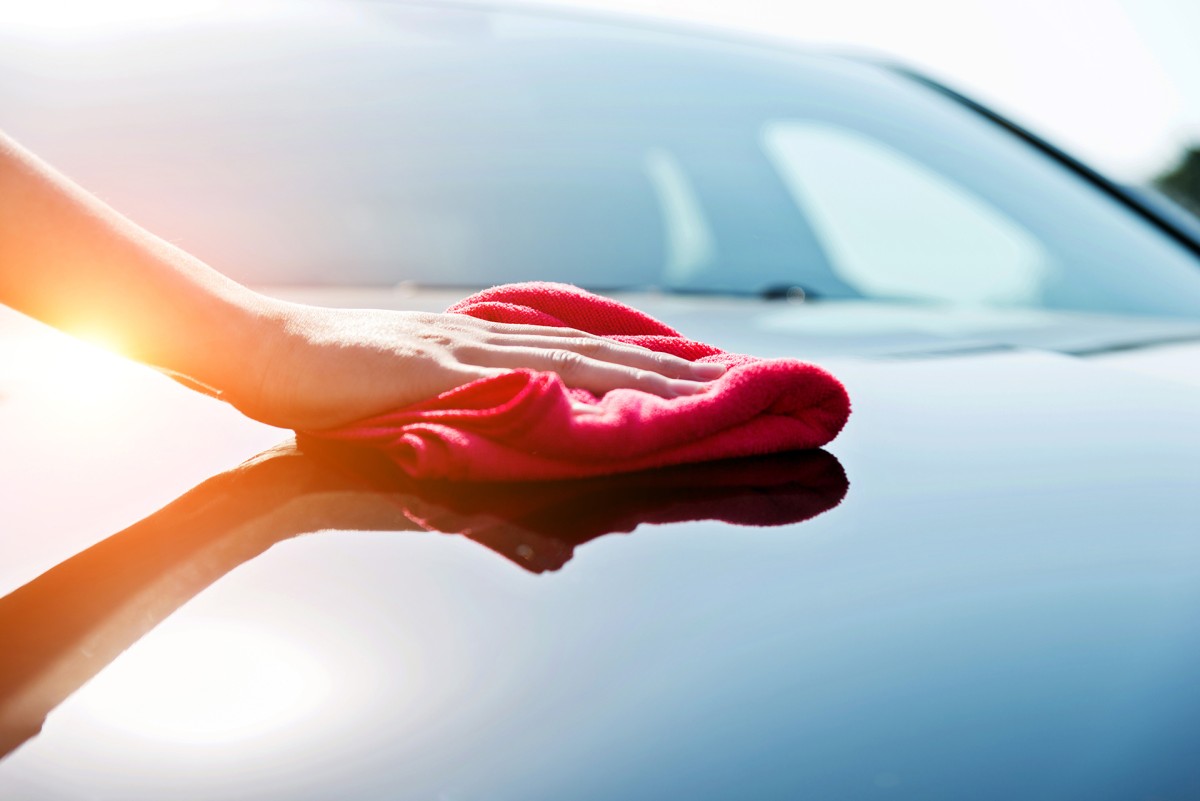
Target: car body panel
x: 1002, y: 606
x: 1173, y: 362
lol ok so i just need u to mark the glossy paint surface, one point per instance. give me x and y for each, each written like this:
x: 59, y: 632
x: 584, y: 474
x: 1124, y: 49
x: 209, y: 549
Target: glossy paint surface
x: 1004, y: 604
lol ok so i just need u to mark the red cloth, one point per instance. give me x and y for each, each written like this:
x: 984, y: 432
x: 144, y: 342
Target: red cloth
x: 527, y: 425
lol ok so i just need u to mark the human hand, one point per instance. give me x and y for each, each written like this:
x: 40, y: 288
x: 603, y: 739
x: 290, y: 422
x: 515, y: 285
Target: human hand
x: 322, y: 367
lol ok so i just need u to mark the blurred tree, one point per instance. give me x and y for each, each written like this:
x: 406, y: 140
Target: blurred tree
x: 1182, y: 182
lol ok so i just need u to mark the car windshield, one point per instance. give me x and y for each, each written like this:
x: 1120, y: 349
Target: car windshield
x: 376, y: 144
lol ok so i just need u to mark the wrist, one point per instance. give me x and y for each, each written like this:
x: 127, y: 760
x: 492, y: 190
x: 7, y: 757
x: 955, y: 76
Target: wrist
x: 267, y: 345
x: 243, y: 331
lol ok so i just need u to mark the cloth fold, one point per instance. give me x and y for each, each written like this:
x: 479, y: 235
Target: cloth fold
x: 528, y: 425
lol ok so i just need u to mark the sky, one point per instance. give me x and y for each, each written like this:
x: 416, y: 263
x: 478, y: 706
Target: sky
x: 1116, y: 82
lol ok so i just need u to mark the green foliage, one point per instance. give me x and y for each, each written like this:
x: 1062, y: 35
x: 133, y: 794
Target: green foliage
x: 1182, y: 182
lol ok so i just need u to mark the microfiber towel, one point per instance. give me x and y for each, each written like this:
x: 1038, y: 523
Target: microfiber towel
x: 528, y: 425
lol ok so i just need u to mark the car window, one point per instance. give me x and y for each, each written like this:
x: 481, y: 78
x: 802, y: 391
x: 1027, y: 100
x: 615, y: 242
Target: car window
x: 690, y: 247
x: 376, y: 144
x: 895, y: 228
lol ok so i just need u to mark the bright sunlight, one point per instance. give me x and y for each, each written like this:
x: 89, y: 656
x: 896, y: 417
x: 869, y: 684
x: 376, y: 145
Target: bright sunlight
x: 208, y: 681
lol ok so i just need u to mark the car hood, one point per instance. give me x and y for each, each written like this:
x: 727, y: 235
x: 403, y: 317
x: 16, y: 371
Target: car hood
x: 1002, y: 605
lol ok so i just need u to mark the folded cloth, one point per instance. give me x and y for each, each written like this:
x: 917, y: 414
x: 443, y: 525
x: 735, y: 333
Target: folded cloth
x: 528, y: 425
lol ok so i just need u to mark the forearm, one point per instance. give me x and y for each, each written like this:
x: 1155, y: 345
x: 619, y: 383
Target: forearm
x: 71, y: 261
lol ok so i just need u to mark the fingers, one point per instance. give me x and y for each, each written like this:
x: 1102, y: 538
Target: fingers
x: 595, y: 375
x: 601, y: 349
x: 585, y: 360
x: 606, y: 350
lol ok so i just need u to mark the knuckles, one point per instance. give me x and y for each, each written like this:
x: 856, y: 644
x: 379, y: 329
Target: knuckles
x: 437, y: 339
x: 593, y: 347
x: 565, y: 362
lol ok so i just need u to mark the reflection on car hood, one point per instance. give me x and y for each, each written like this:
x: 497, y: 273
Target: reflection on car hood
x: 160, y: 562
x: 1003, y: 606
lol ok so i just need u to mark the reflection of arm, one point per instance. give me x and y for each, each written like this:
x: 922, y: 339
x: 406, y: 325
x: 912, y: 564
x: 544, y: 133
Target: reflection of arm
x: 61, y: 629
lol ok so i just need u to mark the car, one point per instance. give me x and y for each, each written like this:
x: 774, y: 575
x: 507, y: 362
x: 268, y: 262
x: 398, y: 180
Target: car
x: 985, y: 588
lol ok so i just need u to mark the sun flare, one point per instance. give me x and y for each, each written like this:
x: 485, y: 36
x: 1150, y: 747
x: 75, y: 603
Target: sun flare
x: 208, y: 682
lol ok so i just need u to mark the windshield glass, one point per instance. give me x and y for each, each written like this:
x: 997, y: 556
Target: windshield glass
x: 375, y: 144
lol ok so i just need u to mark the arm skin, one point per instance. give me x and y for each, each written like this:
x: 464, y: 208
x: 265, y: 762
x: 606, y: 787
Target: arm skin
x: 70, y: 261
